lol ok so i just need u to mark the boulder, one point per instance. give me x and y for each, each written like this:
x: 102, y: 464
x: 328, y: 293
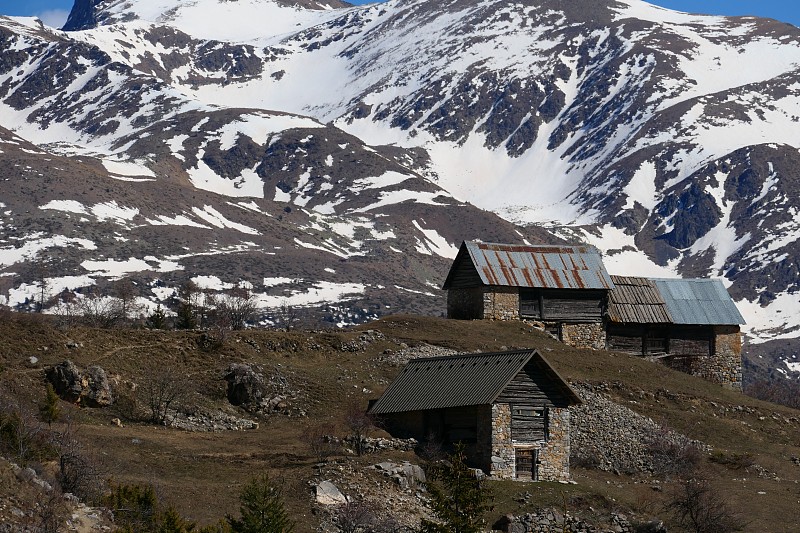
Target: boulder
x: 96, y: 389
x: 66, y: 380
x: 328, y: 494
x: 245, y: 385
x: 90, y: 388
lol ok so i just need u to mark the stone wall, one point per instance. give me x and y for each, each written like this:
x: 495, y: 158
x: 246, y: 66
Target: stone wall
x: 501, y: 303
x: 591, y: 335
x: 724, y: 367
x: 465, y: 304
x: 503, y: 458
x: 554, y: 454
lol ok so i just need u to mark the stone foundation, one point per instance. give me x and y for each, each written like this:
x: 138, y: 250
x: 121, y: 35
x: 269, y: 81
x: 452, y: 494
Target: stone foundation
x: 501, y: 303
x: 554, y: 454
x: 583, y: 335
x: 724, y: 367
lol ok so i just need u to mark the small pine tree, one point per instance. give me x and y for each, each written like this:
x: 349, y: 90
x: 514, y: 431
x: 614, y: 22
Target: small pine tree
x: 135, y: 507
x: 262, y: 509
x: 185, y: 318
x: 49, y: 410
x: 457, y: 497
x: 169, y: 521
x: 157, y: 320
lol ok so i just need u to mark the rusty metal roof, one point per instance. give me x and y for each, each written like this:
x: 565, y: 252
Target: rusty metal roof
x: 550, y: 267
x: 461, y: 380
x: 636, y: 301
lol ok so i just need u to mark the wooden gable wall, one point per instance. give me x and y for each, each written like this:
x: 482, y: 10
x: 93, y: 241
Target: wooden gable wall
x: 533, y: 387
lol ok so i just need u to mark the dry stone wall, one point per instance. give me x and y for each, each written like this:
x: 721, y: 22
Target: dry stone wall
x: 584, y: 335
x: 501, y: 303
x: 503, y: 458
x: 554, y: 454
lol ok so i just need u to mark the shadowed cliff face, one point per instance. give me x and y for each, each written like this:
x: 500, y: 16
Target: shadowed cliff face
x: 82, y: 15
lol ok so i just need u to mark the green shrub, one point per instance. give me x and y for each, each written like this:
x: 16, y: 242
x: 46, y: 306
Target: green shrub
x: 458, y: 497
x: 262, y: 509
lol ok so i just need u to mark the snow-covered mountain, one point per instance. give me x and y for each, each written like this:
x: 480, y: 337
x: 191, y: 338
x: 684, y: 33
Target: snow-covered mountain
x: 668, y: 140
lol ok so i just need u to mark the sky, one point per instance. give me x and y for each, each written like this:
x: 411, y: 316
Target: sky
x: 54, y: 12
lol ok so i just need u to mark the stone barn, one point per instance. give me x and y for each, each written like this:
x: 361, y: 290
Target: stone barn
x: 692, y: 325
x: 509, y: 409
x: 564, y: 287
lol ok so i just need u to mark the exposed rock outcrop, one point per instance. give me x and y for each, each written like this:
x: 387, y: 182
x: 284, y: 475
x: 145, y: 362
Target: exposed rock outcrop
x: 90, y: 388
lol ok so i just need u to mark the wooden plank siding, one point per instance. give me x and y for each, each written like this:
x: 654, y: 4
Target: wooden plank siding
x: 553, y: 304
x: 531, y: 387
x: 528, y: 424
x: 461, y: 424
x: 463, y: 274
x: 661, y: 339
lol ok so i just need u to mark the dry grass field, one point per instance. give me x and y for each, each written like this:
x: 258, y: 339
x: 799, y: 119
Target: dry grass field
x: 201, y: 473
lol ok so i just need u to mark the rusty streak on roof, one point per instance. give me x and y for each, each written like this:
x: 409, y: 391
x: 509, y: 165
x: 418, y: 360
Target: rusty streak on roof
x: 543, y: 266
x: 462, y: 380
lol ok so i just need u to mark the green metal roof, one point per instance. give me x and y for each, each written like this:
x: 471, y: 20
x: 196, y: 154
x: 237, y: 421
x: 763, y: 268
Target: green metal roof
x: 459, y: 380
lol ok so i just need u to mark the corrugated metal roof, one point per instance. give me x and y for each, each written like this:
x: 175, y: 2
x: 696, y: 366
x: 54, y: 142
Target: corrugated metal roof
x: 636, y: 301
x: 698, y: 301
x: 457, y: 380
x: 551, y: 267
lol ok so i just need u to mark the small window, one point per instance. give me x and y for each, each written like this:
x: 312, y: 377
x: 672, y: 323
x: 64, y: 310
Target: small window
x: 527, y: 412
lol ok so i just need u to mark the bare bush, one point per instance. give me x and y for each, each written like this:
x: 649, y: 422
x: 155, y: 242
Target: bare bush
x: 51, y: 513
x: 22, y: 435
x: 783, y: 392
x: 162, y: 392
x: 355, y: 516
x: 360, y: 424
x: 80, y: 472
x: 101, y: 311
x: 673, y: 455
x: 700, y: 508
x: 320, y: 442
x: 213, y: 339
x: 235, y: 308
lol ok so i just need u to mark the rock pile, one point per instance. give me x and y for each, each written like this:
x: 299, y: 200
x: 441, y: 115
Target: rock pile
x: 405, y: 354
x: 211, y: 421
x: 406, y: 475
x: 372, y: 445
x: 612, y: 437
x: 548, y: 520
x: 247, y: 388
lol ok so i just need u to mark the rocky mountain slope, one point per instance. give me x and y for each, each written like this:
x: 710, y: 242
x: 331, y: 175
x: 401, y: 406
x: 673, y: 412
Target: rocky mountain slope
x: 668, y: 140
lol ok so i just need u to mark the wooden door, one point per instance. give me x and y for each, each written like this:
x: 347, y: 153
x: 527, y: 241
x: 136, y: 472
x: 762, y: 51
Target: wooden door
x: 527, y: 464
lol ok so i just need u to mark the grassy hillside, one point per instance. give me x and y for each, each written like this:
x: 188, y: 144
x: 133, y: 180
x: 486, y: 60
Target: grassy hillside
x: 201, y: 473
